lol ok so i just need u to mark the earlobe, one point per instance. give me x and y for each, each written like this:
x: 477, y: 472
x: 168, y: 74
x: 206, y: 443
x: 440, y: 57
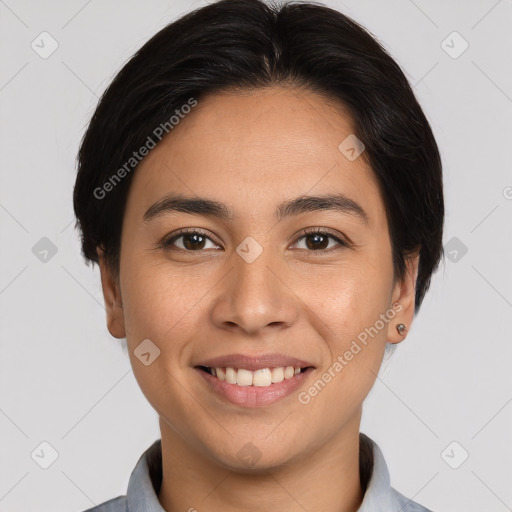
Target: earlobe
x: 112, y: 297
x: 404, y: 294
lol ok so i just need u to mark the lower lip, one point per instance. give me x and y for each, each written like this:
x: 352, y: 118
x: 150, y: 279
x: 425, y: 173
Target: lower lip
x: 255, y: 396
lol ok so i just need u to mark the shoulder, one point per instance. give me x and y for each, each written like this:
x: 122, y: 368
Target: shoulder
x: 114, y: 505
x: 406, y: 504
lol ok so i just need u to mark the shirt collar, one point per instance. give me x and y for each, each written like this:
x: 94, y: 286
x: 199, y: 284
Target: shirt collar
x: 146, y: 478
x: 379, y: 496
x: 145, y: 481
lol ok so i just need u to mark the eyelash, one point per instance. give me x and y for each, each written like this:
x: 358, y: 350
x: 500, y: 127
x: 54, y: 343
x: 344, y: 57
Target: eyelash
x: 168, y: 242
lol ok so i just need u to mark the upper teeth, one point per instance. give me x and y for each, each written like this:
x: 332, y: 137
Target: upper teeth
x: 263, y: 377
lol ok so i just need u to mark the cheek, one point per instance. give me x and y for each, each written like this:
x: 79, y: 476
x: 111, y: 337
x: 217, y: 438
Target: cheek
x: 160, y: 307
x: 353, y: 306
x: 157, y: 301
x: 355, y: 342
x: 349, y: 297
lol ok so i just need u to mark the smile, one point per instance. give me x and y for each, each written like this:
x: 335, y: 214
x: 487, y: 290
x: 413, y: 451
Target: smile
x: 262, y: 377
x: 253, y: 388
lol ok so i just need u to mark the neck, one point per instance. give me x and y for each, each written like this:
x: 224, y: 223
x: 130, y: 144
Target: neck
x: 331, y: 479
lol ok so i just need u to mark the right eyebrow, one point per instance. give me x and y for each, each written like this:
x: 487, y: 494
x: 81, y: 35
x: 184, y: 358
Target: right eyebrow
x: 193, y: 205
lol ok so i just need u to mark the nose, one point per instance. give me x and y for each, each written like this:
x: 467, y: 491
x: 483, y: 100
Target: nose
x: 255, y: 296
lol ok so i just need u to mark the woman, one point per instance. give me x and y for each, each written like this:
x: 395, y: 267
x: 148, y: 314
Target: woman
x: 263, y: 195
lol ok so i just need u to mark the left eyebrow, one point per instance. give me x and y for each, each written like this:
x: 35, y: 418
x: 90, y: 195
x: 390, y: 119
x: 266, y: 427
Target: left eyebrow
x: 333, y: 202
x: 172, y: 203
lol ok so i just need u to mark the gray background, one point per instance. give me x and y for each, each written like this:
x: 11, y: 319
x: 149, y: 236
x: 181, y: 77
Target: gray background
x: 65, y: 381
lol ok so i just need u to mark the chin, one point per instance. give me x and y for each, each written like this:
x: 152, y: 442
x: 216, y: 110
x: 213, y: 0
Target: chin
x: 253, y: 457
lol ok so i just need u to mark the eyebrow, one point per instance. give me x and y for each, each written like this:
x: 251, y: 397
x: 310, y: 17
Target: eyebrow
x: 173, y: 203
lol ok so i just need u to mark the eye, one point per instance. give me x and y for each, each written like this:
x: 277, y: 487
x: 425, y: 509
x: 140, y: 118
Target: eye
x: 317, y: 240
x: 191, y: 240
x: 195, y: 240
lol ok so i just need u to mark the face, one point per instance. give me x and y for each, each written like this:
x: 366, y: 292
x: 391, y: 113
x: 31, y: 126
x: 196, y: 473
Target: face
x: 305, y: 281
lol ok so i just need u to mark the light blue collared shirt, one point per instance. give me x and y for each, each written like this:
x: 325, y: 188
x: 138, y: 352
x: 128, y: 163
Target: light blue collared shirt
x: 144, y: 485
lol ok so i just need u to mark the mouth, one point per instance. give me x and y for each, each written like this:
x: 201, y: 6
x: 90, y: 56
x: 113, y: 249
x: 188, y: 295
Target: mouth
x: 261, y: 377
x: 253, y: 380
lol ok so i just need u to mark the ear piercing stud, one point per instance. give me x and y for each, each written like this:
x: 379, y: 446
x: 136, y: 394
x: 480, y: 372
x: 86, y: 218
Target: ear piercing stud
x: 401, y: 329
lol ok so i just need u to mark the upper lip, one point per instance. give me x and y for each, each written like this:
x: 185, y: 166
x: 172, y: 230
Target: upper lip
x: 253, y: 363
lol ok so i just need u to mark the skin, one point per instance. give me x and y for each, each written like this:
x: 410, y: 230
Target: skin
x: 252, y: 151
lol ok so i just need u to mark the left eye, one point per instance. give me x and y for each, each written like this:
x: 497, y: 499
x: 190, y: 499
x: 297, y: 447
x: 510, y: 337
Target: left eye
x: 318, y: 241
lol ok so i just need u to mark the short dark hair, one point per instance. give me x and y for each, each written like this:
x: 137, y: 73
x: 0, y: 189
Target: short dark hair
x: 236, y: 45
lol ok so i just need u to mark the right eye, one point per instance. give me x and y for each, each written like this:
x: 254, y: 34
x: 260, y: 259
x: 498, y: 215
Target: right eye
x: 192, y: 240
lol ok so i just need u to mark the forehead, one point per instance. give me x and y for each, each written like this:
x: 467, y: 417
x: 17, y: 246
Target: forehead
x: 254, y: 149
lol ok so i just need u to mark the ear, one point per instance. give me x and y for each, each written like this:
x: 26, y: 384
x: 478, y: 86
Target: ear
x: 112, y: 297
x: 404, y: 293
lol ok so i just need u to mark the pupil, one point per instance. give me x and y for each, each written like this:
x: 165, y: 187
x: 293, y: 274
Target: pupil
x: 316, y: 237
x: 187, y: 238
